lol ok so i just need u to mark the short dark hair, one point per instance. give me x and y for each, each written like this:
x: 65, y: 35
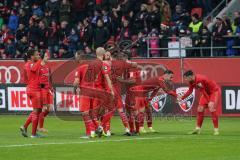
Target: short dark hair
x: 28, y: 54
x: 168, y: 72
x: 188, y: 73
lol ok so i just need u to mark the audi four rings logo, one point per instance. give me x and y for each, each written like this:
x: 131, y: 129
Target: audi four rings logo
x: 150, y: 71
x: 8, y: 73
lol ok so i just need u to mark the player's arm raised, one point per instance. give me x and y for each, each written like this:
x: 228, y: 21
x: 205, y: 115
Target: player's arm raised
x: 190, y: 90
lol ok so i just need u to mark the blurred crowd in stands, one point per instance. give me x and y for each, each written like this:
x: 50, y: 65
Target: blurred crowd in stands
x: 64, y: 26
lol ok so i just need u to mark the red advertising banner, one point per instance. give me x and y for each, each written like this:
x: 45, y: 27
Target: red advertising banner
x: 225, y: 71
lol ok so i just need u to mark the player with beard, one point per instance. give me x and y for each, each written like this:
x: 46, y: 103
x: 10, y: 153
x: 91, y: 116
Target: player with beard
x: 210, y: 94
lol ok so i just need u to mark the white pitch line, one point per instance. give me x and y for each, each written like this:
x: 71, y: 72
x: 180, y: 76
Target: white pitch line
x: 113, y: 140
x: 82, y: 142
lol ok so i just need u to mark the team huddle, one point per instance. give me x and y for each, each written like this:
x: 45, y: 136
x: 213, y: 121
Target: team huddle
x: 100, y: 83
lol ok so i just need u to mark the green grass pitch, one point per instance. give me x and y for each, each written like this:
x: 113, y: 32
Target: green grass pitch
x: 170, y: 143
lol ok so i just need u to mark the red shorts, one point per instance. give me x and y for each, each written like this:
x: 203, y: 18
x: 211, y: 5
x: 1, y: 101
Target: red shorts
x: 140, y: 103
x: 118, y: 102
x: 86, y: 103
x: 36, y: 98
x: 47, y: 96
x: 214, y: 97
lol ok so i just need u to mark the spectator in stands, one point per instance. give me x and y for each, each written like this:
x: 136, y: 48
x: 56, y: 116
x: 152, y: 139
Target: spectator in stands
x: 166, y: 13
x: 53, y: 38
x: 195, y: 26
x: 219, y: 30
x: 100, y: 34
x: 52, y: 8
x: 141, y: 44
x: 1, y: 21
x: 230, y: 41
x: 36, y: 10
x: 153, y: 18
x: 88, y: 33
x: 43, y: 34
x: 23, y: 17
x: 22, y: 47
x: 126, y: 31
x: 205, y: 41
x: 13, y: 21
x: 227, y: 22
x: 21, y: 31
x: 10, y: 48
x: 64, y: 11
x: 33, y: 31
x: 73, y: 40
x: 140, y: 18
x: 180, y: 18
x: 154, y: 43
x: 63, y: 34
x: 236, y: 16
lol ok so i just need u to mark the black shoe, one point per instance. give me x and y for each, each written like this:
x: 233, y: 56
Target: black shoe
x: 135, y: 134
x: 99, y: 131
x: 23, y: 131
x: 127, y: 134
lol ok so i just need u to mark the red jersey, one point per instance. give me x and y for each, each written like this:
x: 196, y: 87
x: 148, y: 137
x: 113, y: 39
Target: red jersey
x: 91, y: 74
x: 31, y: 75
x: 163, y: 85
x: 44, y: 78
x: 203, y: 84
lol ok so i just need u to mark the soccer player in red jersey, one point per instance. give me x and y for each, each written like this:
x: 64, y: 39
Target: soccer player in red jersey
x: 46, y: 90
x: 158, y: 85
x: 118, y: 66
x: 31, y: 77
x: 210, y: 94
x: 92, y: 78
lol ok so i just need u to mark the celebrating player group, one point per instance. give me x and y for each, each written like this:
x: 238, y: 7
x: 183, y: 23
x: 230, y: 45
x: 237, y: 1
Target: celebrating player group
x: 100, y: 84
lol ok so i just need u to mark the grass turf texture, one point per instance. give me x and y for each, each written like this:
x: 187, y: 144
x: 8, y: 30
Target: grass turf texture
x: 170, y: 143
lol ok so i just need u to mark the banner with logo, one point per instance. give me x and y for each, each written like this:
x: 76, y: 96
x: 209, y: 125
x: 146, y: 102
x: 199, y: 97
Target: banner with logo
x: 231, y: 100
x: 222, y: 70
x: 66, y: 100
x: 2, y: 98
x: 18, y: 99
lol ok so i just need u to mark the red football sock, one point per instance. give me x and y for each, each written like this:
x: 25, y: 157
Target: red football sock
x: 200, y: 117
x: 137, y: 124
x: 35, y: 118
x: 94, y: 115
x: 149, y: 117
x: 140, y: 119
x: 28, y: 120
x: 107, y: 126
x: 131, y: 123
x: 106, y: 118
x: 124, y: 119
x: 88, y: 123
x: 214, y: 119
x: 42, y: 116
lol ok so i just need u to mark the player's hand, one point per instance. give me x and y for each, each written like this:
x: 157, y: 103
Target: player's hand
x: 112, y: 93
x: 179, y: 98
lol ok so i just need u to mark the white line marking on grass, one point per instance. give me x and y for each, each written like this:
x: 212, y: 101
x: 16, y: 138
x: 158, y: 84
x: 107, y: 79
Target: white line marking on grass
x: 81, y: 142
x: 111, y: 140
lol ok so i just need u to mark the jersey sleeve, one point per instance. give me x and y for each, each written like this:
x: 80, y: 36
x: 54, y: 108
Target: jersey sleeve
x: 190, y: 90
x: 25, y: 75
x: 106, y: 69
x: 167, y: 90
x: 36, y: 66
